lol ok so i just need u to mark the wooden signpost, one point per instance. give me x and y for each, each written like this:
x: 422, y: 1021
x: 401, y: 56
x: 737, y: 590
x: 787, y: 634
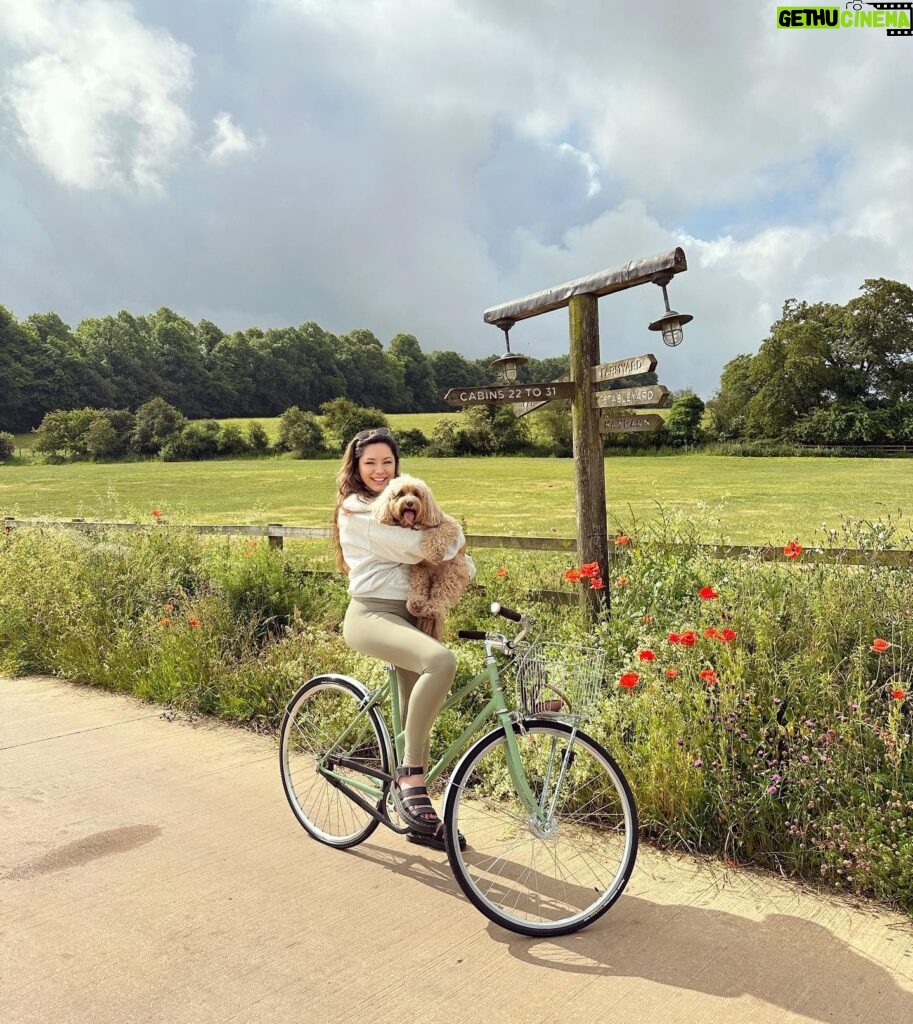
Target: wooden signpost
x: 581, y: 299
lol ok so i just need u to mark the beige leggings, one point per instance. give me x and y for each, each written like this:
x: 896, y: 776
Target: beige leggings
x: 425, y: 668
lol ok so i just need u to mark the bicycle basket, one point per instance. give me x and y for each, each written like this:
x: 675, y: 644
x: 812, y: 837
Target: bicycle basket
x: 559, y: 679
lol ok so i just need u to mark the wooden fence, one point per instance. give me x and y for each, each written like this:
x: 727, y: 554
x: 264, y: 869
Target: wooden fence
x: 277, y: 532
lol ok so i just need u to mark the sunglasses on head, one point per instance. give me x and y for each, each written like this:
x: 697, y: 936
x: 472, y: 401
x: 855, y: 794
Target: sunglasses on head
x: 365, y: 435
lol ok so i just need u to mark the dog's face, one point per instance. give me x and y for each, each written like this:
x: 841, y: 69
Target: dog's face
x: 406, y: 501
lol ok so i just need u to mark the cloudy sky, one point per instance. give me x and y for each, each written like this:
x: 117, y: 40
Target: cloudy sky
x: 403, y: 164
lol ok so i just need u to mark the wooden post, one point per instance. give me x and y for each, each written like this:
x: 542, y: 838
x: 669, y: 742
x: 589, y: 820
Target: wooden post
x: 275, y: 542
x: 589, y: 468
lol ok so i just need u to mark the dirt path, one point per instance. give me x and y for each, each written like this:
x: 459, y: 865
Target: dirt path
x: 152, y: 871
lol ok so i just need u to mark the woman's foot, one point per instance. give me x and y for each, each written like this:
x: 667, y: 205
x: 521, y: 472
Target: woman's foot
x: 410, y: 795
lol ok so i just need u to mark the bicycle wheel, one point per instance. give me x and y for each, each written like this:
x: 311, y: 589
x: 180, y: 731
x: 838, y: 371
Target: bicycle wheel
x: 316, y: 728
x: 533, y: 877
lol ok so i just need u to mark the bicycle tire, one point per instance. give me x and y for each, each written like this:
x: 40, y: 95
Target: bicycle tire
x: 313, y: 719
x: 533, y: 879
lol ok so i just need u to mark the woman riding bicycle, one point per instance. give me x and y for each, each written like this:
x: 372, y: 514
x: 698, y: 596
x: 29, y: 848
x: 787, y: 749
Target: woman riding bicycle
x: 377, y: 560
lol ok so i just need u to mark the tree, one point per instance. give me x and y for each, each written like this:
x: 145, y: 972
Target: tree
x: 257, y: 438
x: 299, y: 432
x: 683, y: 424
x: 16, y: 374
x: 196, y: 441
x: 343, y: 419
x: 7, y: 446
x: 553, y: 423
x: 418, y: 374
x: 157, y: 423
x: 374, y: 379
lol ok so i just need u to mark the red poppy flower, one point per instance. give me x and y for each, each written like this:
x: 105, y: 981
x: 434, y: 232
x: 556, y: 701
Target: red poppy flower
x: 879, y: 645
x: 590, y: 569
x: 597, y: 583
x: 573, y: 575
x: 646, y: 656
x: 502, y: 571
x: 194, y: 623
x: 622, y: 539
x: 709, y: 676
x: 629, y: 680
x: 166, y: 622
x: 711, y: 633
x: 622, y: 581
x: 728, y: 635
x: 688, y: 638
x: 156, y: 513
x: 671, y: 673
x: 792, y: 550
x: 898, y: 694
x: 707, y: 594
x: 674, y: 638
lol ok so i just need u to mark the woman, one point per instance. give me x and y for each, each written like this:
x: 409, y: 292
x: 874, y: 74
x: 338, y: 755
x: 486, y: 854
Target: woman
x: 377, y: 559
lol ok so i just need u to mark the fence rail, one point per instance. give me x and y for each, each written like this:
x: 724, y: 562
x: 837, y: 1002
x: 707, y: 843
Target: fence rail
x: 276, y: 533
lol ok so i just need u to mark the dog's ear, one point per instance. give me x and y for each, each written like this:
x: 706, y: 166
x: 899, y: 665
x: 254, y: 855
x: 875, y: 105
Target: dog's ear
x: 434, y: 514
x: 382, y: 505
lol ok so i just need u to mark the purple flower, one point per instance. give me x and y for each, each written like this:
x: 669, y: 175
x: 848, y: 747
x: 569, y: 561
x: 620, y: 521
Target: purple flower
x: 697, y: 762
x: 776, y: 700
x: 775, y: 778
x: 805, y: 758
x: 773, y: 789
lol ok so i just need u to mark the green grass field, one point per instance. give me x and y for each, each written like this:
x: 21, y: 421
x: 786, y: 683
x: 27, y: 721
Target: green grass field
x: 735, y: 499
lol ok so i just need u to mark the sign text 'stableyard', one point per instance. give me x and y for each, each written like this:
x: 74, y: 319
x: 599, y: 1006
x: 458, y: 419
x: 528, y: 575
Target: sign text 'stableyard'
x: 629, y: 424
x: 498, y: 393
x: 623, y: 368
x: 649, y: 394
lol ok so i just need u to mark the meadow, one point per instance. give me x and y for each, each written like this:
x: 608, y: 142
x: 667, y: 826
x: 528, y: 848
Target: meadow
x: 737, y: 500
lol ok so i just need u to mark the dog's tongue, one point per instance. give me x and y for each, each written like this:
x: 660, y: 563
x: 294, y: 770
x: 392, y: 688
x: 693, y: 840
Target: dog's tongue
x: 409, y: 516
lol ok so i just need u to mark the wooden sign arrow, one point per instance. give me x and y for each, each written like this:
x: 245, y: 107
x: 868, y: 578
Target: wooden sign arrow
x: 629, y: 424
x: 623, y: 368
x: 649, y: 394
x: 498, y: 393
x: 522, y: 408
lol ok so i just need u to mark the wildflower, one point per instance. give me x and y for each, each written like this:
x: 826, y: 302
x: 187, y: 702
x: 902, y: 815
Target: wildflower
x: 622, y: 581
x: 898, y: 694
x: 166, y: 622
x: 709, y: 676
x: 622, y: 539
x: 792, y: 550
x: 728, y: 635
x: 646, y: 655
x: 688, y: 638
x: 773, y: 790
x: 671, y: 673
x: 194, y: 623
x: 805, y: 758
x: 674, y: 638
x: 597, y: 583
x: 156, y: 513
x: 697, y: 762
x: 502, y: 571
x: 647, y: 620
x: 589, y: 569
x: 707, y: 594
x: 629, y: 680
x: 573, y: 575
x: 168, y: 607
x: 711, y: 633
x: 777, y: 700
x: 879, y: 645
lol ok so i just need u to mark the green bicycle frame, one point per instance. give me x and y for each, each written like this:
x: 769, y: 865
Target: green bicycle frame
x: 495, y: 707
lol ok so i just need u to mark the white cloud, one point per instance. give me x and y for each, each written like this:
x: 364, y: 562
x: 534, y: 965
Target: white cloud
x: 587, y: 162
x: 229, y: 140
x: 97, y: 95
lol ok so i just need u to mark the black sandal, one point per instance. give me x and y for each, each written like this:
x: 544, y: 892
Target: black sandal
x: 414, y: 805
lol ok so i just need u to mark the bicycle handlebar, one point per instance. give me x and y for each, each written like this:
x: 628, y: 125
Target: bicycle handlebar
x: 472, y: 634
x: 508, y: 613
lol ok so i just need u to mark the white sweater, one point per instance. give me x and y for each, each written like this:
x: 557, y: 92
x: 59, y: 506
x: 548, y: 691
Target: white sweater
x: 379, y: 556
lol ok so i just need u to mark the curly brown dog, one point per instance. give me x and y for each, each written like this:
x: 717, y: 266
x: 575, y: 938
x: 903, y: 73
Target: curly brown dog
x: 434, y: 586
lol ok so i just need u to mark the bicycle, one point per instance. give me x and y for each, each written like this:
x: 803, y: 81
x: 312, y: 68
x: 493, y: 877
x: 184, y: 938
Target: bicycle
x: 549, y: 819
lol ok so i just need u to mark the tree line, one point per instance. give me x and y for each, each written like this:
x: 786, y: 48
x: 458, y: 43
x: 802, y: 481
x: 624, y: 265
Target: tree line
x: 120, y: 362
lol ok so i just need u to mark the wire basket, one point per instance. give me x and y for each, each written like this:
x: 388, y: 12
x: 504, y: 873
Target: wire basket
x: 559, y: 680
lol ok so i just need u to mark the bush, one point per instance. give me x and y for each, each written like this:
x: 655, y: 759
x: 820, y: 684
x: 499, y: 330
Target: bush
x: 344, y: 419
x: 467, y: 433
x: 7, y: 446
x: 299, y: 432
x: 257, y: 438
x: 232, y: 440
x: 411, y: 442
x: 157, y: 423
x: 198, y: 440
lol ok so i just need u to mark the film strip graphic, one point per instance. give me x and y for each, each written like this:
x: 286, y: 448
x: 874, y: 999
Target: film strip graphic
x: 908, y: 7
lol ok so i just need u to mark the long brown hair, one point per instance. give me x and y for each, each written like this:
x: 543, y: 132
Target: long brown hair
x: 349, y: 482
